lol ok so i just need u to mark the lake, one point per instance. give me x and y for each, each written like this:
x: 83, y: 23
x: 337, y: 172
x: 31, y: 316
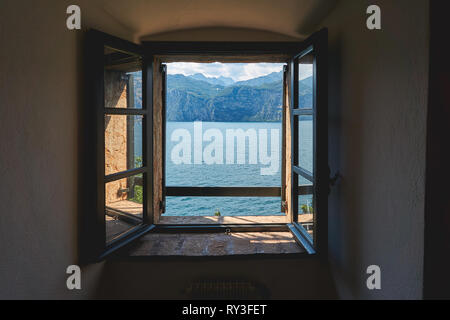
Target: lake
x: 220, y: 154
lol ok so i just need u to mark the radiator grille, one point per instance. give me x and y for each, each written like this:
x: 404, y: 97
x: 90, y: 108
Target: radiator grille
x: 226, y: 289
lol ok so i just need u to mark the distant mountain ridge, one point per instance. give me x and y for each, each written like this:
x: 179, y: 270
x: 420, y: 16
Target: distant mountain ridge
x: 270, y: 78
x: 224, y: 81
x: 200, y: 98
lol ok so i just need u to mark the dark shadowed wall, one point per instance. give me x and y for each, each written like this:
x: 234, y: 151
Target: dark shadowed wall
x: 40, y: 99
x: 378, y: 105
x: 437, y: 209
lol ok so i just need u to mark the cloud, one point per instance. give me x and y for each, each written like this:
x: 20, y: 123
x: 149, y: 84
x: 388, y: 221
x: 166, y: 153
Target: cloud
x: 305, y: 71
x: 236, y: 71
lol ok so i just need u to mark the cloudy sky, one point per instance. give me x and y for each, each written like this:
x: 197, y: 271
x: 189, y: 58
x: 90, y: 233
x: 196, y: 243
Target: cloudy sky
x: 236, y: 71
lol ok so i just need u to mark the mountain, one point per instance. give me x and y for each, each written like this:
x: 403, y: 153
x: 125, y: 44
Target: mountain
x: 270, y: 78
x: 257, y: 99
x: 189, y: 99
x: 224, y: 81
x: 245, y: 103
x: 305, y: 93
x: 191, y: 86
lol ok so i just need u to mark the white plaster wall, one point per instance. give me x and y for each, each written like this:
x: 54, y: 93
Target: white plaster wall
x: 40, y: 95
x: 378, y: 102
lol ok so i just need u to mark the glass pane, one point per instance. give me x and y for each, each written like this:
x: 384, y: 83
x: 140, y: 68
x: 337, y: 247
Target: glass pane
x: 123, y: 143
x: 306, y: 212
x: 305, y: 143
x: 123, y: 80
x: 123, y: 205
x: 305, y: 81
x: 223, y: 206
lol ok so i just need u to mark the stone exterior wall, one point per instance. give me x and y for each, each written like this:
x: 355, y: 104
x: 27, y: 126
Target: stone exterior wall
x: 115, y: 135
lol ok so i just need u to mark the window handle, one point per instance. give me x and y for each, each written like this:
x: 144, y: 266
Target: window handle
x: 333, y: 180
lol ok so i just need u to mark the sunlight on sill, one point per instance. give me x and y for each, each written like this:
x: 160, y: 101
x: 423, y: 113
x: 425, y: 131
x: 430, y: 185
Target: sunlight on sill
x: 215, y: 244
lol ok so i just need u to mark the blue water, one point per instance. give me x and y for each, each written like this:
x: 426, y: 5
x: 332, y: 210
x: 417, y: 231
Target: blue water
x: 228, y: 175
x: 222, y: 175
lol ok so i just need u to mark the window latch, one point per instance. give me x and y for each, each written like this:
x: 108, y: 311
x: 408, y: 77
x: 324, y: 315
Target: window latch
x: 333, y: 180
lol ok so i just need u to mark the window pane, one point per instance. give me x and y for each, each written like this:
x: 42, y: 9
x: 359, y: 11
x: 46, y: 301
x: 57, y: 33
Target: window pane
x: 226, y: 206
x: 123, y: 143
x: 123, y: 80
x: 123, y: 205
x: 305, y: 81
x: 306, y: 212
x: 305, y: 143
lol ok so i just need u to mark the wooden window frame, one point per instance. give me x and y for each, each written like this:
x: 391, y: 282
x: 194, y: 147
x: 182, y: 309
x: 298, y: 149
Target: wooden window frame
x: 153, y: 54
x: 93, y: 226
x: 317, y: 44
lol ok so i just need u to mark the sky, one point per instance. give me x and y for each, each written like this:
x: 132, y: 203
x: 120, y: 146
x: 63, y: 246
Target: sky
x: 236, y: 71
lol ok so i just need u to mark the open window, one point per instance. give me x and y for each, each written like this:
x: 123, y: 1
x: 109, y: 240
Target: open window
x: 136, y: 132
x: 308, y: 139
x: 119, y: 145
x: 221, y: 143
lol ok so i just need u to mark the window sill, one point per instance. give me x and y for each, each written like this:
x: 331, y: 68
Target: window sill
x: 215, y: 244
x: 199, y: 220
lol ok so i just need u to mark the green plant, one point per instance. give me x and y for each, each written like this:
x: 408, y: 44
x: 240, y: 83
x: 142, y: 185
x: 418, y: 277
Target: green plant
x: 217, y: 213
x: 306, y: 208
x: 138, y: 195
x: 138, y: 162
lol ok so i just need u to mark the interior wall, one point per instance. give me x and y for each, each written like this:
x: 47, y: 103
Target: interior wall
x: 171, y: 278
x: 40, y: 98
x: 222, y: 33
x: 378, y: 104
x: 296, y: 18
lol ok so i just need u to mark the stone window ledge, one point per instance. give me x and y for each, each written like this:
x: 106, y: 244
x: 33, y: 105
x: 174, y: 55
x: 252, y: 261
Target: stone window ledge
x: 215, y: 244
